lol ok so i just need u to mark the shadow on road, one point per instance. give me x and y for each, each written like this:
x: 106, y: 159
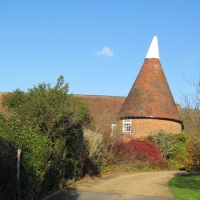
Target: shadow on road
x: 180, y: 173
x: 73, y: 194
x: 69, y: 193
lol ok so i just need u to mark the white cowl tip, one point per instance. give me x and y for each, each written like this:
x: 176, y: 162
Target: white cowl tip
x: 153, y: 51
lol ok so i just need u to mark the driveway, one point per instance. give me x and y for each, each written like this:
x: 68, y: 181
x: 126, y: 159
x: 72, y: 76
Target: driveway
x: 134, y: 185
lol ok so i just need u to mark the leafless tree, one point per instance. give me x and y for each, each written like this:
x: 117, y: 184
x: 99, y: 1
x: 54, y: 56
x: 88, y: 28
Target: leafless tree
x: 190, y: 111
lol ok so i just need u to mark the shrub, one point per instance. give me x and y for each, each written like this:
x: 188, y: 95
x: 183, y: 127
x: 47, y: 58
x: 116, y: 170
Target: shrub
x: 139, y: 152
x: 192, y: 160
x: 47, y: 124
x: 169, y: 144
x: 172, y: 147
x: 36, y: 151
x: 108, y: 147
x: 8, y: 173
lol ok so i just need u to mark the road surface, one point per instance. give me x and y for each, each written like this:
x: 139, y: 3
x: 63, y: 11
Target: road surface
x: 119, y: 186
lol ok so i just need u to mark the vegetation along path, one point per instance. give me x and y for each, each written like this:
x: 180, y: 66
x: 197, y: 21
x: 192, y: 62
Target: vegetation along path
x: 134, y: 185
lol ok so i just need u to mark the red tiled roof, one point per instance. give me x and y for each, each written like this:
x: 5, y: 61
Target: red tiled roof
x: 103, y: 107
x: 150, y: 95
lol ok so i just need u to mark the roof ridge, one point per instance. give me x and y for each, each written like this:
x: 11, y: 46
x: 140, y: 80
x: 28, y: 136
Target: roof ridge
x: 90, y: 95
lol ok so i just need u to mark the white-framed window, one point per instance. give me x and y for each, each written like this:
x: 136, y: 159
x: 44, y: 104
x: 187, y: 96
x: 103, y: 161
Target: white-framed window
x: 127, y: 125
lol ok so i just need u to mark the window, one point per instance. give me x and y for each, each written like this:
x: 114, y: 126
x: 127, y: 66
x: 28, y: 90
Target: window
x: 127, y: 126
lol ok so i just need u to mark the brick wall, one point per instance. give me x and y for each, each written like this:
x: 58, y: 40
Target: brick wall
x: 143, y: 127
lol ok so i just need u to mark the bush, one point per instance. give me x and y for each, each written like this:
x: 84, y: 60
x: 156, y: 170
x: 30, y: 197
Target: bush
x: 36, y: 151
x: 172, y: 147
x: 192, y: 161
x: 8, y: 173
x: 169, y: 144
x: 139, y: 153
x: 108, y: 149
x: 47, y: 124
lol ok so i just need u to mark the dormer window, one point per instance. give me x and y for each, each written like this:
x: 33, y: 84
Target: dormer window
x: 127, y: 125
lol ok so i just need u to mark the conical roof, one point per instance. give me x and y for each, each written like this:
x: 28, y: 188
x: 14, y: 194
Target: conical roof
x: 150, y: 95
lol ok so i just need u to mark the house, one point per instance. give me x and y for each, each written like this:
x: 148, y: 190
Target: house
x: 149, y: 106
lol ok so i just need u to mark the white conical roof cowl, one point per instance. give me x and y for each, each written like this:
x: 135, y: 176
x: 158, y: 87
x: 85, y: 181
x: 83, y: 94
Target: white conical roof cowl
x: 153, y: 51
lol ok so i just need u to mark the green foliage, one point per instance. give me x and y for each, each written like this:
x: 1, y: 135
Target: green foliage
x: 192, y: 160
x: 172, y: 147
x: 36, y: 151
x: 176, y: 164
x: 8, y: 184
x: 181, y: 137
x: 167, y: 143
x: 185, y: 187
x: 47, y: 124
x: 48, y: 108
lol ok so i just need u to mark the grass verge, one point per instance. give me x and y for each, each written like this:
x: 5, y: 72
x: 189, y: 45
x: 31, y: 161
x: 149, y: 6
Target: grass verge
x: 185, y: 187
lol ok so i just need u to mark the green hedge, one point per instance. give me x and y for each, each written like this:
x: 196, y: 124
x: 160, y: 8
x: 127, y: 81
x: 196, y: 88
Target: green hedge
x: 47, y: 125
x: 8, y: 172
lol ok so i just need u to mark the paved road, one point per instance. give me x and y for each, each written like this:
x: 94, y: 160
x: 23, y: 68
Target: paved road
x: 119, y: 186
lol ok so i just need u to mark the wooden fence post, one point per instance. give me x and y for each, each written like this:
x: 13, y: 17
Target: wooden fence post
x: 18, y: 174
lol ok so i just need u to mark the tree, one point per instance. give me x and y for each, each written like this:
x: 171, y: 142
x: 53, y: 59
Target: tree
x: 51, y: 110
x: 51, y: 115
x: 190, y: 113
x: 192, y: 161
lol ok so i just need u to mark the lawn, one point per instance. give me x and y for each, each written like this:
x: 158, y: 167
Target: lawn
x: 185, y: 187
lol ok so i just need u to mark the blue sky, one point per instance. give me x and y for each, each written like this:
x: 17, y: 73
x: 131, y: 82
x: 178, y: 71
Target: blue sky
x: 99, y: 46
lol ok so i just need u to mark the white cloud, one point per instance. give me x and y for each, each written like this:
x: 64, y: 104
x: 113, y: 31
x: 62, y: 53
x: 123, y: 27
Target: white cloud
x: 190, y: 58
x: 106, y: 51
